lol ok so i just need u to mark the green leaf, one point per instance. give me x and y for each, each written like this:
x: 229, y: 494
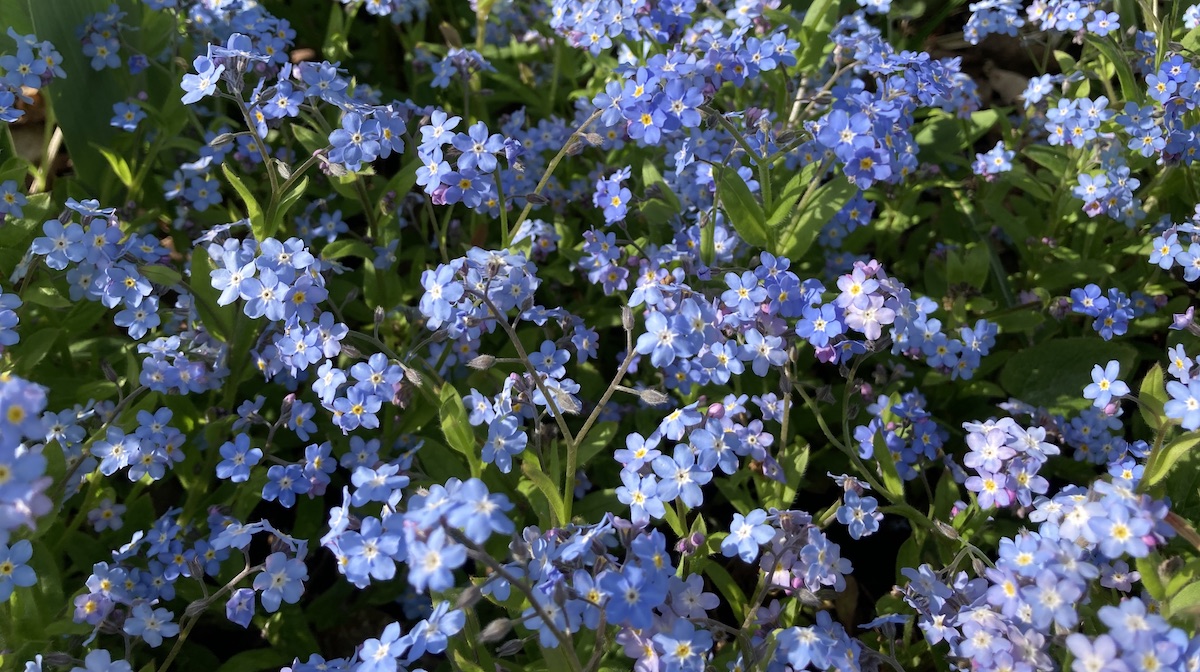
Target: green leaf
x: 652, y: 178
x: 118, y: 164
x: 258, y: 222
x: 34, y: 347
x: 254, y: 660
x: 457, y: 429
x: 46, y: 295
x: 797, y: 237
x: 1130, y: 91
x: 724, y: 583
x: 161, y: 275
x: 1148, y: 568
x: 347, y: 247
x: 743, y: 209
x: 463, y: 663
x: 218, y: 320
x: 1163, y: 460
x: 1153, y: 395
x: 1053, y: 374
x: 533, y: 471
x: 1186, y: 602
x: 289, y: 199
x: 818, y: 21
x: 599, y: 437
x: 887, y: 467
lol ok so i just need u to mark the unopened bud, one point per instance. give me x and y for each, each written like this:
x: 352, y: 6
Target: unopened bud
x: 413, y: 376
x: 594, y: 139
x: 284, y: 170
x: 285, y: 409
x: 807, y: 597
x: 221, y: 140
x: 653, y: 397
x: 379, y: 315
x: 627, y: 318
x: 495, y: 631
x: 947, y: 531
x: 351, y: 351
x: 574, y: 147
x: 469, y: 597
x: 978, y: 566
x: 716, y: 411
x: 57, y: 659
x: 482, y: 362
x: 336, y: 169
x: 510, y: 648
x: 536, y: 199
x: 565, y: 402
x: 195, y: 568
x: 109, y: 374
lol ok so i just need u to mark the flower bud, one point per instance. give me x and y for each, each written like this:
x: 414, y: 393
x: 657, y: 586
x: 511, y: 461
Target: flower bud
x: 653, y: 397
x: 109, y: 374
x: 495, y: 630
x: 221, y: 140
x: 469, y: 597
x: 947, y: 531
x: 510, y: 648
x: 627, y: 318
x: 482, y: 362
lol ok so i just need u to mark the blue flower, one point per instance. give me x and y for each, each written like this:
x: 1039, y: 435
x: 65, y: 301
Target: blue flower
x: 203, y: 83
x: 14, y: 572
x: 505, y: 440
x: 127, y: 116
x: 240, y: 607
x: 284, y: 483
x: 101, y: 660
x: 238, y: 458
x: 746, y: 535
x: 281, y: 580
x: 150, y: 624
x: 1105, y: 385
x: 431, y: 563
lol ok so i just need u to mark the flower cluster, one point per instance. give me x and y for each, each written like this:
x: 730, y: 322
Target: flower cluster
x: 34, y: 65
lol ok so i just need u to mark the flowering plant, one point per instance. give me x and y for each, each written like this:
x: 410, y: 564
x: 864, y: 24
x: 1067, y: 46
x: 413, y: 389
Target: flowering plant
x: 383, y: 335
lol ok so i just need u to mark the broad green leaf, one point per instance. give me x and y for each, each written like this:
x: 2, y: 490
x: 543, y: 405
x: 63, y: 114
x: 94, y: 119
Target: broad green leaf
x: 1130, y: 91
x: 818, y: 21
x: 294, y: 194
x: 1053, y: 374
x: 34, y: 347
x: 1148, y: 568
x: 599, y: 437
x: 887, y: 467
x: 118, y: 164
x: 161, y: 275
x: 347, y: 247
x: 457, y: 429
x: 652, y: 178
x: 1163, y: 460
x: 724, y: 583
x: 255, y: 660
x: 258, y: 222
x: 46, y: 295
x: 1186, y: 602
x: 533, y: 471
x: 218, y: 320
x: 797, y: 235
x: 742, y: 208
x: 1152, y: 395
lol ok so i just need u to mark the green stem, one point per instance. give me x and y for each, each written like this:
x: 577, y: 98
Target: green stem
x: 550, y: 171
